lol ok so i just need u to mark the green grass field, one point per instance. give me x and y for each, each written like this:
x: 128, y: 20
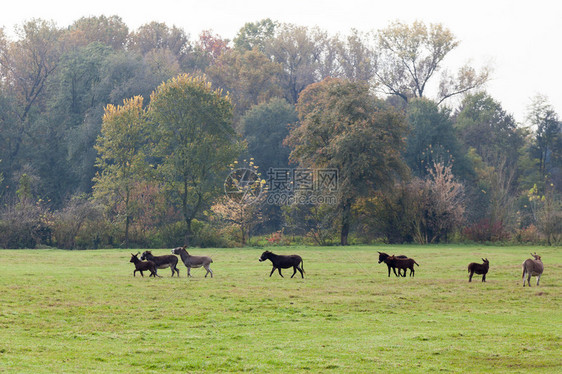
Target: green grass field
x: 83, y: 311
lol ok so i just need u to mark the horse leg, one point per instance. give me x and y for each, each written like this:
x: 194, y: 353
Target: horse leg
x: 301, y: 270
x: 272, y: 270
x: 412, y: 271
x: 208, y: 271
x: 538, y: 279
x: 189, y: 271
x: 294, y: 271
x: 483, y: 277
x: 404, y: 275
x: 279, y: 270
x: 394, y: 270
x: 470, y: 276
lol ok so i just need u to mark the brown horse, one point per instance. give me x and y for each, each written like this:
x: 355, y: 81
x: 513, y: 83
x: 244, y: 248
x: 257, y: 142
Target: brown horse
x: 383, y: 256
x: 402, y: 263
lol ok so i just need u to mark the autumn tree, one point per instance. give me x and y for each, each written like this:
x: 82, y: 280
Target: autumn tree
x: 121, y: 158
x: 356, y: 59
x: 194, y: 143
x: 249, y: 77
x: 442, y: 205
x: 110, y: 31
x: 344, y: 127
x: 409, y: 56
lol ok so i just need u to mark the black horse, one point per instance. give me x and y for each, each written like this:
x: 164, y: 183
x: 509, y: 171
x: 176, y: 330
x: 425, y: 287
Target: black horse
x: 284, y: 262
x: 383, y: 256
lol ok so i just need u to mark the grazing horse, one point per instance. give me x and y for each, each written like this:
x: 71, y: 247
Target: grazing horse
x: 402, y: 263
x: 474, y: 267
x: 383, y: 256
x: 532, y: 267
x: 283, y: 262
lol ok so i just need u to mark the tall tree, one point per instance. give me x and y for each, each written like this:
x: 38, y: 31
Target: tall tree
x: 483, y: 124
x: 410, y: 55
x: 249, y: 77
x: 432, y: 139
x: 121, y: 159
x: 194, y: 142
x: 547, y: 129
x: 299, y: 50
x: 110, y: 31
x: 357, y: 61
x: 156, y: 36
x: 265, y: 127
x: 25, y: 67
x: 344, y: 127
x: 253, y: 35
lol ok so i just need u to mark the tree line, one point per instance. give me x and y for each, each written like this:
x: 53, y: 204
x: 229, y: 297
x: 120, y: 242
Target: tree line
x: 118, y: 137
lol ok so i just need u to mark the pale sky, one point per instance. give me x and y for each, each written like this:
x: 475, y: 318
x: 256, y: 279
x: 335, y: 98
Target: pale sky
x: 520, y: 39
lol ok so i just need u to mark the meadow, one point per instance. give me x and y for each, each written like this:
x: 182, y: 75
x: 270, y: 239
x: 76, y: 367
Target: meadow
x: 83, y: 311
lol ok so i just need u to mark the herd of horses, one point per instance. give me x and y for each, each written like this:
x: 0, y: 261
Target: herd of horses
x: 402, y: 263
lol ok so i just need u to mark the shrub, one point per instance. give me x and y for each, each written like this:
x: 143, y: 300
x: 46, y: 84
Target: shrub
x: 23, y: 225
x: 486, y: 231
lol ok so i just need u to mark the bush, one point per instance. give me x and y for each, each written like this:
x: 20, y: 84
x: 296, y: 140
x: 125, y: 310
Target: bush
x: 529, y: 234
x: 486, y: 231
x: 23, y: 226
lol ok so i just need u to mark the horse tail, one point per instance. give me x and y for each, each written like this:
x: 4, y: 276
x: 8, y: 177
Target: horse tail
x: 416, y: 263
x: 302, y: 265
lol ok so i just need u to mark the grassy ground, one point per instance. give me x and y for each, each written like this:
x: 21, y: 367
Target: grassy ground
x: 82, y: 311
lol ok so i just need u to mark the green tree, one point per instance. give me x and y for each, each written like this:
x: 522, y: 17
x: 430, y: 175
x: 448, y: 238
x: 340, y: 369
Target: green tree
x: 495, y: 143
x: 121, y: 158
x: 265, y: 127
x: 25, y: 68
x: 547, y: 133
x: 483, y: 124
x: 410, y: 55
x: 432, y: 138
x: 344, y: 127
x: 253, y: 35
x: 194, y: 142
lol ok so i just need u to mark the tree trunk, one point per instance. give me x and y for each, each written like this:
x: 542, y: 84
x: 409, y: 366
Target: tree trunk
x: 127, y: 219
x: 188, y: 232
x: 345, y: 222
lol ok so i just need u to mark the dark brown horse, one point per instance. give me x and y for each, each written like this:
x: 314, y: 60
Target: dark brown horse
x: 383, y: 256
x: 474, y: 267
x: 143, y: 266
x: 284, y: 262
x: 402, y: 263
